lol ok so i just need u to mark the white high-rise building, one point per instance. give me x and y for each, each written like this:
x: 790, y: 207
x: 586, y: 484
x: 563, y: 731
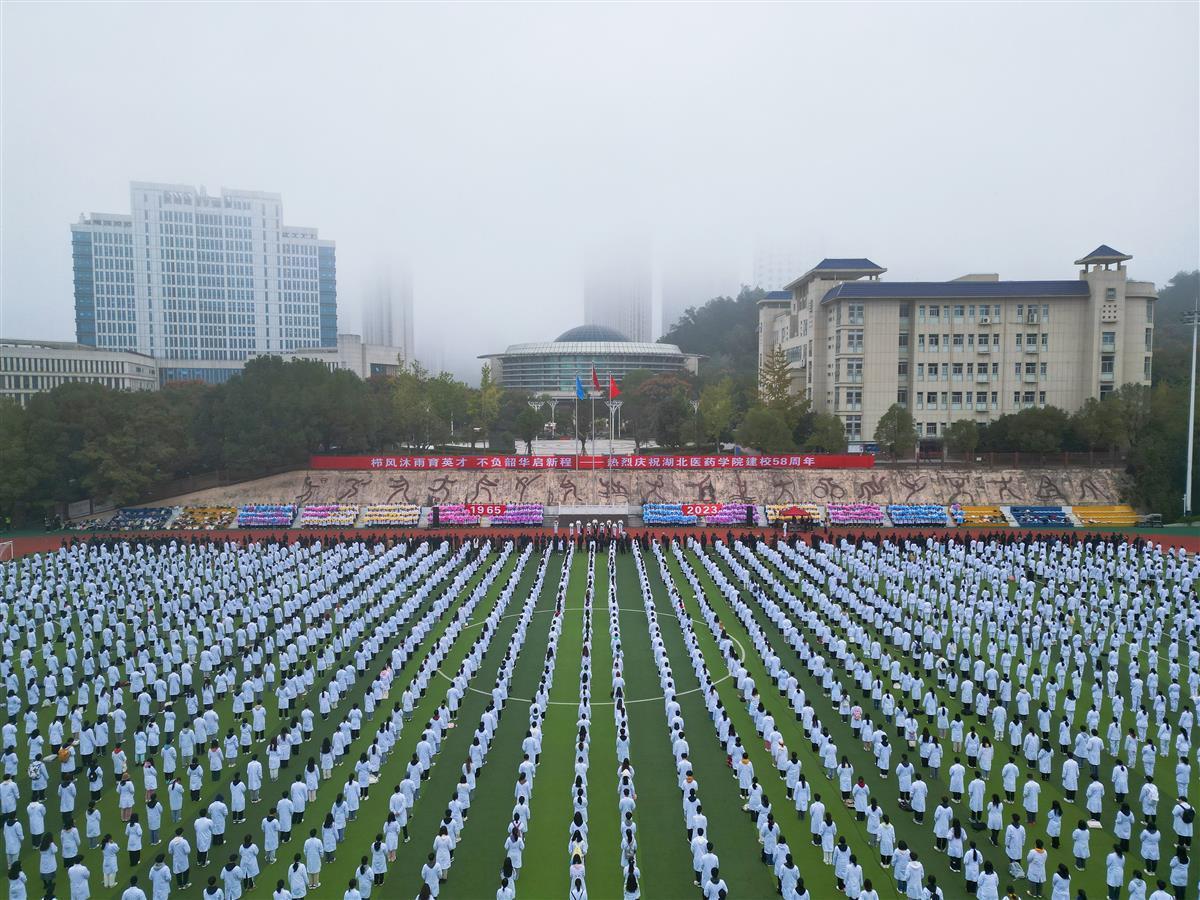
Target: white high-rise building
x: 202, y: 283
x: 388, y: 314
x: 618, y: 292
x: 776, y: 264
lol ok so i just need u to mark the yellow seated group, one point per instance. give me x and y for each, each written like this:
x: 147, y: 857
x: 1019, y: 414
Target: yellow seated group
x: 983, y: 515
x: 206, y: 517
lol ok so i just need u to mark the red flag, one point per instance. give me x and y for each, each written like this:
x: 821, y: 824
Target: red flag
x: 613, y: 391
x: 595, y: 378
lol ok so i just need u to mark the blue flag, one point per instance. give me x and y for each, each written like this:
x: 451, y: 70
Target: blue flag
x: 579, y: 394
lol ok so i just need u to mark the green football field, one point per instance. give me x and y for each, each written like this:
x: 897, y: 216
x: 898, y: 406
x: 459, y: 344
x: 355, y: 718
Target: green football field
x: 663, y: 852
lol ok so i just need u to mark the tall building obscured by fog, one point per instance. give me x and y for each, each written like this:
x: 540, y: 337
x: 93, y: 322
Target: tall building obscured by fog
x: 388, y: 313
x: 202, y: 283
x: 618, y: 292
x: 776, y: 264
x: 694, y: 283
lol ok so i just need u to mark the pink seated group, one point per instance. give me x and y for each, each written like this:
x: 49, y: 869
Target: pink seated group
x: 855, y: 514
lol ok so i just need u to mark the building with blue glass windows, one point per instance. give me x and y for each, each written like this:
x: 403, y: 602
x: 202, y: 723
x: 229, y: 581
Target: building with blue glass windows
x: 550, y: 367
x: 202, y: 283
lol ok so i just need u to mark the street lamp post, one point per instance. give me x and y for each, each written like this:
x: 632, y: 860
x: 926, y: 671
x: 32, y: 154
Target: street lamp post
x: 614, y: 407
x: 696, y: 421
x: 1192, y: 318
x: 536, y: 406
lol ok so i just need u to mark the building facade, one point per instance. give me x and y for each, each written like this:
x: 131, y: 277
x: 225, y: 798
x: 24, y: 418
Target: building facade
x: 31, y: 367
x: 353, y: 354
x: 202, y: 283
x: 973, y: 348
x: 551, y: 367
x: 388, y: 314
x: 618, y: 292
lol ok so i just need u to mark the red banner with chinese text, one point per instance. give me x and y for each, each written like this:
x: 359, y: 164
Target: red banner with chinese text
x: 422, y: 463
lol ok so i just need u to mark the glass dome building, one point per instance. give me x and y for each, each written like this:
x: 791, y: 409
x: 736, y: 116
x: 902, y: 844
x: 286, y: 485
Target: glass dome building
x: 550, y: 367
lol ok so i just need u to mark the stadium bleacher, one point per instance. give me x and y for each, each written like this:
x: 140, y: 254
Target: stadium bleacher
x: 916, y: 514
x: 328, y: 515
x: 855, y: 514
x: 1036, y: 516
x: 520, y: 514
x: 982, y: 515
x: 401, y: 514
x: 266, y: 515
x: 795, y: 512
x: 142, y: 518
x: 666, y: 514
x: 205, y: 518
x: 1119, y: 516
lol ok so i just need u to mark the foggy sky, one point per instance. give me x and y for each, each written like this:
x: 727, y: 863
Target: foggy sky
x: 487, y: 147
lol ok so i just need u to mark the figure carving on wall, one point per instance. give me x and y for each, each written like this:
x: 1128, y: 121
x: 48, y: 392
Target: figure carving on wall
x: 872, y: 488
x: 484, y: 486
x: 570, y: 491
x: 1004, y: 489
x: 914, y: 484
x: 351, y: 489
x: 702, y: 489
x: 439, y: 489
x: 399, y: 488
x: 1089, y: 489
x: 653, y: 487
x: 956, y: 489
x: 1048, y: 489
x: 524, y: 483
x: 741, y: 491
x: 826, y: 489
x: 310, y: 488
x: 613, y: 487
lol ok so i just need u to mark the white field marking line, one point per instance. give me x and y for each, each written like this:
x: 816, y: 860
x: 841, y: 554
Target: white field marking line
x: 695, y: 690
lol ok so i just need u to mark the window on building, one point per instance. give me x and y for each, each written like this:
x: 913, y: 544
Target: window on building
x: 1020, y: 311
x: 854, y: 428
x: 1045, y: 340
x: 931, y: 399
x: 1149, y: 310
x: 1110, y: 293
x: 1146, y: 368
x: 931, y: 429
x: 933, y: 343
x: 902, y: 368
x: 1042, y: 370
x: 934, y: 312
x: 856, y: 313
x: 920, y: 371
x: 921, y: 342
x: 854, y: 341
x: 1020, y: 340
x: 1149, y: 338
x: 1107, y: 365
x: 1030, y: 368
x: 905, y: 310
x: 959, y: 311
x: 956, y: 400
x: 956, y: 371
x: 903, y: 340
x: 958, y: 342
x: 902, y: 396
x: 1108, y: 339
x: 1041, y: 398
x: 920, y: 313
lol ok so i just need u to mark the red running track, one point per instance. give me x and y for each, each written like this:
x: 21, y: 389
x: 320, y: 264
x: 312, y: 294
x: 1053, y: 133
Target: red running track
x: 42, y: 543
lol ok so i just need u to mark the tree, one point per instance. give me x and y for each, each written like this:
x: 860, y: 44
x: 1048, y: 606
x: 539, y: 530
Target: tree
x: 896, y: 432
x: 962, y: 437
x: 775, y: 380
x: 658, y: 407
x: 716, y: 410
x: 827, y: 434
x: 1097, y: 424
x: 724, y: 330
x: 765, y: 429
x: 486, y: 406
x: 529, y: 426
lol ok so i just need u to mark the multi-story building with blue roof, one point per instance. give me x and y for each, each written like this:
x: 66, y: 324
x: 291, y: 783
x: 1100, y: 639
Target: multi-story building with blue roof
x: 974, y: 348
